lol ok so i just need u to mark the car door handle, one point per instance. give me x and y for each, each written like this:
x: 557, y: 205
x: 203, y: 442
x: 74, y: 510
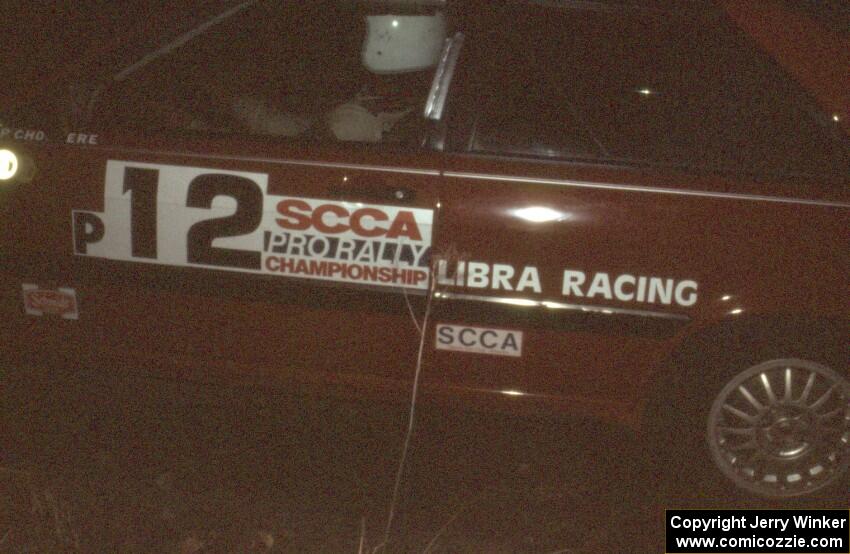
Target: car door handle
x: 373, y: 193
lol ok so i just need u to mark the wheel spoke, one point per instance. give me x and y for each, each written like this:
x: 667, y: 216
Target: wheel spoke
x: 789, y: 385
x: 750, y: 398
x: 737, y: 430
x: 824, y: 397
x: 829, y: 415
x: 808, y: 389
x: 743, y: 415
x: 767, y: 388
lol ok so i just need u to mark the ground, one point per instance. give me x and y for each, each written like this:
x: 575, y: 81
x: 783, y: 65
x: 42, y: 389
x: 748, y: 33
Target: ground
x: 101, y: 464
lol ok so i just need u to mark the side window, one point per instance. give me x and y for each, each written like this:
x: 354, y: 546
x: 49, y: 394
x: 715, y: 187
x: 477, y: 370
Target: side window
x: 640, y: 86
x: 320, y: 70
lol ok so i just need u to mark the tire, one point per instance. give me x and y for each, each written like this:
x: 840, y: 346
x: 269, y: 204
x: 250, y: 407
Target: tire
x: 766, y: 430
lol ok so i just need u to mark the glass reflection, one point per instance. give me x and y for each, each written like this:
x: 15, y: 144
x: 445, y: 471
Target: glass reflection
x: 540, y: 214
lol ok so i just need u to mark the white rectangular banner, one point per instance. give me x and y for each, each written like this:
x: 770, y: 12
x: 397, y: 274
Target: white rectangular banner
x: 227, y: 220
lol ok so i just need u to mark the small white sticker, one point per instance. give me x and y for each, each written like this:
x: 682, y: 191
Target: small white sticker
x: 478, y: 340
x: 61, y: 302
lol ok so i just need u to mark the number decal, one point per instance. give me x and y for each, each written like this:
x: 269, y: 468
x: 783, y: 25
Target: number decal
x: 142, y: 185
x: 224, y: 220
x: 249, y: 212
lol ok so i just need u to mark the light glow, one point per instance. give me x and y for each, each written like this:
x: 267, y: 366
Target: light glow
x: 8, y: 164
x: 539, y: 214
x: 512, y: 392
x: 395, y: 22
x: 517, y: 301
x: 726, y: 297
x: 644, y: 91
x: 835, y: 118
x: 736, y: 311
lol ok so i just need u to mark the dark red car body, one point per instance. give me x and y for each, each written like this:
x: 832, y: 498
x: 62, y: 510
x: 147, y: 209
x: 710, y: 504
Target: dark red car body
x: 761, y: 253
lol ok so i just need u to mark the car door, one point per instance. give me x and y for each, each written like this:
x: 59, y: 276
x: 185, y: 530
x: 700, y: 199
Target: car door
x: 608, y: 199
x: 210, y: 223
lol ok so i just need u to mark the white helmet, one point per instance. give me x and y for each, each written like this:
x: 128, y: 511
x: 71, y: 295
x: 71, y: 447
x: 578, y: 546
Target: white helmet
x: 403, y: 43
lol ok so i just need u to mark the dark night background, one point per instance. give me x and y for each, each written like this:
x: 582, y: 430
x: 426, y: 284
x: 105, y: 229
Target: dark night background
x: 42, y: 36
x: 47, y: 44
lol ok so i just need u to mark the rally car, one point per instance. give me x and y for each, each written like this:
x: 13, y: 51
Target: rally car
x: 605, y: 209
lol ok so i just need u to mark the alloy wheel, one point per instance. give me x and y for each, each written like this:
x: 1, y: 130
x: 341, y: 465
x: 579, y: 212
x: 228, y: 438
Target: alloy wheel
x: 782, y: 428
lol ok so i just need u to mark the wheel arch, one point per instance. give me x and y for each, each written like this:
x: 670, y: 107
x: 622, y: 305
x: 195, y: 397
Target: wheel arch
x: 700, y: 355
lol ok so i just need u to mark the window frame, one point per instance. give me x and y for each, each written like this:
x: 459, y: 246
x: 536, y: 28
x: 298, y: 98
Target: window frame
x: 121, y: 72
x: 461, y: 136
